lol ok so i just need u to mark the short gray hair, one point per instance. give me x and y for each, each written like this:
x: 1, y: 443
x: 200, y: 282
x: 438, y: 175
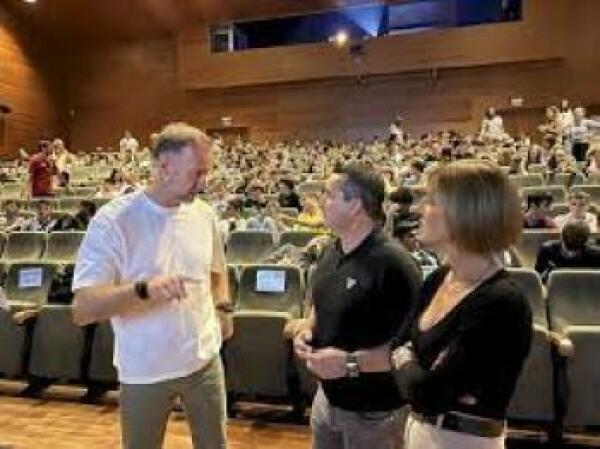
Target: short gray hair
x: 176, y: 136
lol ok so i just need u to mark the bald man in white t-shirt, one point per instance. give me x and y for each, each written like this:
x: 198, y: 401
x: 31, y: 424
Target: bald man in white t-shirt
x: 153, y: 263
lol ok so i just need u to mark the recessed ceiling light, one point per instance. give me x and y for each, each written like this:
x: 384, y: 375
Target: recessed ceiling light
x: 30, y: 1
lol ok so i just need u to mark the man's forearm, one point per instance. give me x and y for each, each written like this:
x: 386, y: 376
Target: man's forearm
x: 93, y: 304
x: 219, y: 288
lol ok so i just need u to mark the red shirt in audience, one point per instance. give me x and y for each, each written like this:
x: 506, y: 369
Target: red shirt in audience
x: 41, y: 170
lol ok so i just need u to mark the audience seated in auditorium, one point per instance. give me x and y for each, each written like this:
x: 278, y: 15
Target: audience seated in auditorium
x: 42, y: 221
x: 11, y: 220
x: 573, y: 250
x: 538, y: 211
x: 287, y: 196
x: 405, y: 232
x: 579, y: 206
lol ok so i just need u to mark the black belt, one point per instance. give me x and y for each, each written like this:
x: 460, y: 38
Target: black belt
x: 472, y: 425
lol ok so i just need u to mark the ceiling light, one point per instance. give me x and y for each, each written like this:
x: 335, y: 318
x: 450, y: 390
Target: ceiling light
x: 31, y: 2
x: 340, y: 38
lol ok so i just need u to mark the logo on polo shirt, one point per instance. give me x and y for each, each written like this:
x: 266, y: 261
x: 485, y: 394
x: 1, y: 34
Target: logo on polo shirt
x: 350, y: 283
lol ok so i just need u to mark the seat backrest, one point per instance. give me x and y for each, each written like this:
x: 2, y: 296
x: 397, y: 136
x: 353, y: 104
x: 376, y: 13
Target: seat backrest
x: 277, y: 288
x: 234, y: 284
x: 592, y: 190
x: 574, y: 298
x: 24, y: 245
x: 71, y: 204
x: 63, y: 246
x: 29, y: 282
x: 530, y: 242
x: 537, y: 168
x: 531, y: 284
x: 245, y: 247
x: 311, y: 187
x: 297, y: 238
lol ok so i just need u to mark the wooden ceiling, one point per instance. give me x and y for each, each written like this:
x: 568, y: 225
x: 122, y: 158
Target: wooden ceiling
x: 76, y: 21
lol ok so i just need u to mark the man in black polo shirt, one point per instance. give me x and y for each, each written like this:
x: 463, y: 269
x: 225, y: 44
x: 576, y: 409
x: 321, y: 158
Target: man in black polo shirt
x: 363, y: 288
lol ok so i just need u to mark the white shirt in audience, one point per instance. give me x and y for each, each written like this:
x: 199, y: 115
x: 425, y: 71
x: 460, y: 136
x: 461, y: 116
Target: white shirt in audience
x: 590, y: 219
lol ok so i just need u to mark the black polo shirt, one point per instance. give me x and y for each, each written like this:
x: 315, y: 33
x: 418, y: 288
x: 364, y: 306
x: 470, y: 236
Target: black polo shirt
x: 361, y: 299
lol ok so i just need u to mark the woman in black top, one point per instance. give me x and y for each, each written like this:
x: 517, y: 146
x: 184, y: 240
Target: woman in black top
x: 457, y: 361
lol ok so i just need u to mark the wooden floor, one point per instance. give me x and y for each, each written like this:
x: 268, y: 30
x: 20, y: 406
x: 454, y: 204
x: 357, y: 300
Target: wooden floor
x: 62, y: 423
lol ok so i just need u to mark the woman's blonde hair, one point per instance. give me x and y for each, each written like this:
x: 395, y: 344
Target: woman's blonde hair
x: 482, y: 208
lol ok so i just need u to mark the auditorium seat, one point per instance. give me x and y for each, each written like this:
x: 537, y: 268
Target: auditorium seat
x: 285, y: 283
x: 63, y: 246
x: 527, y: 180
x: 258, y: 358
x: 530, y: 242
x: 28, y: 283
x: 593, y: 179
x: 564, y: 179
x: 592, y: 190
x: 559, y: 209
x: 245, y: 247
x: 298, y: 238
x: 537, y: 168
x: 71, y: 204
x: 12, y: 190
x: 12, y: 346
x: 24, y: 246
x: 557, y: 192
x: 57, y: 345
x: 102, y: 351
x: 311, y: 187
x: 533, y: 398
x: 290, y: 211
x: 574, y: 312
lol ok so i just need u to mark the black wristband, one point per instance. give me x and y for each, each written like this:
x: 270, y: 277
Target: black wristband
x: 224, y: 307
x: 141, y: 290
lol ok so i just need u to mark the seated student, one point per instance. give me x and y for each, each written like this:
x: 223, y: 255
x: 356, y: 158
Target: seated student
x: 573, y: 250
x: 405, y: 232
x: 43, y: 221
x: 579, y: 205
x: 11, y: 220
x: 537, y: 215
x: 232, y: 219
x: 255, y: 195
x: 287, y: 196
x: 311, y: 217
x: 263, y: 220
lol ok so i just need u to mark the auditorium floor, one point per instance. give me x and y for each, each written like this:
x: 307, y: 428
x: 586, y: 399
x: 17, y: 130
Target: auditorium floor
x: 60, y: 422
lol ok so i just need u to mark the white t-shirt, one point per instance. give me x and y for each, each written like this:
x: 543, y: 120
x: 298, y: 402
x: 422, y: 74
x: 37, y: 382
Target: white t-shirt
x: 132, y: 238
x: 493, y: 127
x: 590, y: 219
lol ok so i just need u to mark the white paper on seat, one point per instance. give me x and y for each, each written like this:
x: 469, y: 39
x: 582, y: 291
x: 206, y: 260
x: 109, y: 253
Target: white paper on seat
x: 30, y: 277
x: 270, y: 281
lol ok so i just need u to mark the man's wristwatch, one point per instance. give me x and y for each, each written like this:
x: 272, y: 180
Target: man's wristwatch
x: 141, y: 290
x: 224, y: 307
x: 352, y: 368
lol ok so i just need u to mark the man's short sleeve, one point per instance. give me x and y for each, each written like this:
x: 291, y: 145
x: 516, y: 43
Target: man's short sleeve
x: 98, y: 258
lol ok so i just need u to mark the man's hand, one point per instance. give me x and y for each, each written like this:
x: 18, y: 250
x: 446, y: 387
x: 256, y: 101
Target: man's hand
x: 167, y: 288
x: 302, y: 345
x: 327, y: 363
x: 226, y: 322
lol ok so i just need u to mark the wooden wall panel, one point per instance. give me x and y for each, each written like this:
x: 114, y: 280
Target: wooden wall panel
x: 27, y: 87
x: 142, y: 85
x: 526, y: 40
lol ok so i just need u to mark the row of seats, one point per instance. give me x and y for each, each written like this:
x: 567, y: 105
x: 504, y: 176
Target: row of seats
x: 67, y: 204
x: 560, y: 380
x: 32, y: 246
x: 247, y: 247
x: 15, y: 190
x: 532, y: 239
